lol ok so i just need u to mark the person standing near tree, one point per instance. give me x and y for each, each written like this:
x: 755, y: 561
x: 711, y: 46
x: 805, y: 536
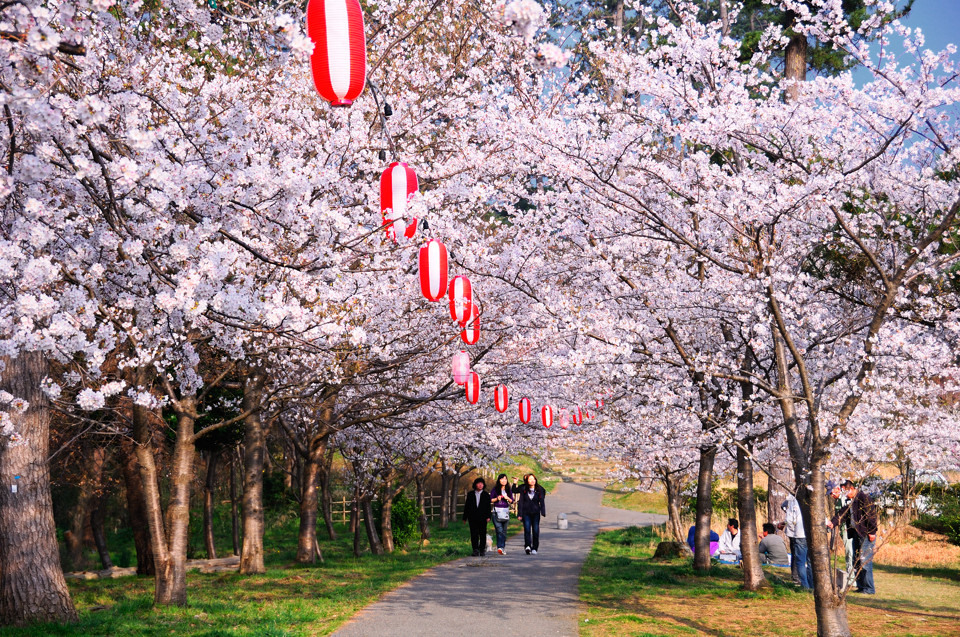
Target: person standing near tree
x: 840, y: 502
x: 860, y: 516
x: 501, y: 496
x: 530, y: 508
x: 793, y: 529
x: 476, y: 511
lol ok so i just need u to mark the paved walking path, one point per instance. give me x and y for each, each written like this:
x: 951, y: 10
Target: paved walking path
x: 533, y: 595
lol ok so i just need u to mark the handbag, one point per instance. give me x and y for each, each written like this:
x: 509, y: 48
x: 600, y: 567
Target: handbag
x: 503, y: 513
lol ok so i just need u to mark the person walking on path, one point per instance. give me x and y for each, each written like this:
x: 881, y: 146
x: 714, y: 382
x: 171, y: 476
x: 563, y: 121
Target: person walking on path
x: 530, y: 508
x: 860, y: 516
x: 476, y: 511
x: 501, y: 496
x: 793, y: 529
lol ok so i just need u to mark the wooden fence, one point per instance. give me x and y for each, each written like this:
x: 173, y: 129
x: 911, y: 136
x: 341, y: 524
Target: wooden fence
x: 431, y: 505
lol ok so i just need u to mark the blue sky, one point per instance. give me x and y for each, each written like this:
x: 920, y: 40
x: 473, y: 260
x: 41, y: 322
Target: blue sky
x: 938, y: 19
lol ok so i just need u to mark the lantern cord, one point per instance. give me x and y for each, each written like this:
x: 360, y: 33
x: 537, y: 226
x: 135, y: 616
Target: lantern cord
x: 383, y: 120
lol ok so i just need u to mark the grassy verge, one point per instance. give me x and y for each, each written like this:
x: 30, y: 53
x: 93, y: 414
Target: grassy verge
x: 289, y: 600
x: 622, y: 496
x: 626, y: 593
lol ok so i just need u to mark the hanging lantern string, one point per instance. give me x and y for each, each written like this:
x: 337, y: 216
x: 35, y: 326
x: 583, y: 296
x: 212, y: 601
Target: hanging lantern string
x: 383, y: 120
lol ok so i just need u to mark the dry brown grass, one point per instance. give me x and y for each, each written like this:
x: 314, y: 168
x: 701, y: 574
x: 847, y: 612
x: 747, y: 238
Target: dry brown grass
x: 912, y: 548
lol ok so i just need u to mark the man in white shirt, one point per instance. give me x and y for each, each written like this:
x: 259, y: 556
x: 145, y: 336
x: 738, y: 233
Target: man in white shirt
x: 793, y: 528
x: 730, y: 542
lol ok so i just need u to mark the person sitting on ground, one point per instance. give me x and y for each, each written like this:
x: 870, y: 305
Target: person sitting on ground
x: 714, y: 540
x: 730, y: 542
x: 476, y: 511
x: 772, y: 548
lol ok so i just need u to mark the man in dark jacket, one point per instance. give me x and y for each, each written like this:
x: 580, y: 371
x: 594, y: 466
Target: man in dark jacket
x: 476, y: 511
x: 860, y: 516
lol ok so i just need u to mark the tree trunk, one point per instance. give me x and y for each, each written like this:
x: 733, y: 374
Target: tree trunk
x: 421, y: 497
x: 137, y: 508
x: 210, y: 485
x: 79, y: 534
x: 445, y: 515
x: 386, y: 523
x: 171, y: 580
x: 724, y: 19
x: 780, y: 477
x: 701, y: 554
x: 96, y: 528
x: 254, y: 444
x: 831, y: 607
x: 288, y: 466
x: 795, y: 64
x: 169, y: 538
x: 355, y: 522
x: 307, y: 546
x: 376, y: 547
x: 454, y: 493
x: 753, y: 577
x: 32, y: 586
x: 234, y: 518
x: 671, y: 482
x: 326, y: 498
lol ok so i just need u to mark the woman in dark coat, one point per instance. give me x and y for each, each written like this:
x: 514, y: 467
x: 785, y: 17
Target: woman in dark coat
x: 530, y: 508
x: 476, y: 511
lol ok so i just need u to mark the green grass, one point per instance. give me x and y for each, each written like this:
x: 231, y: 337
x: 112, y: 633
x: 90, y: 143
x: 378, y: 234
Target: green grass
x: 622, y: 496
x: 289, y: 600
x: 626, y: 593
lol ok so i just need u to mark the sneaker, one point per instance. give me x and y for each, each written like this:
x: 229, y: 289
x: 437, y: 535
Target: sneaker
x: 500, y: 552
x: 533, y: 552
x: 527, y: 549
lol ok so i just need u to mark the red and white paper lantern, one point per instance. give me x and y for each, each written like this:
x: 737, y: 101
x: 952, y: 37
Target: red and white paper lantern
x: 524, y: 410
x: 564, y: 418
x: 433, y: 270
x: 599, y: 403
x: 473, y: 388
x: 501, y: 398
x: 461, y: 367
x: 546, y: 416
x: 471, y: 331
x: 339, y: 58
x: 461, y: 299
x: 577, y: 416
x: 398, y: 184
